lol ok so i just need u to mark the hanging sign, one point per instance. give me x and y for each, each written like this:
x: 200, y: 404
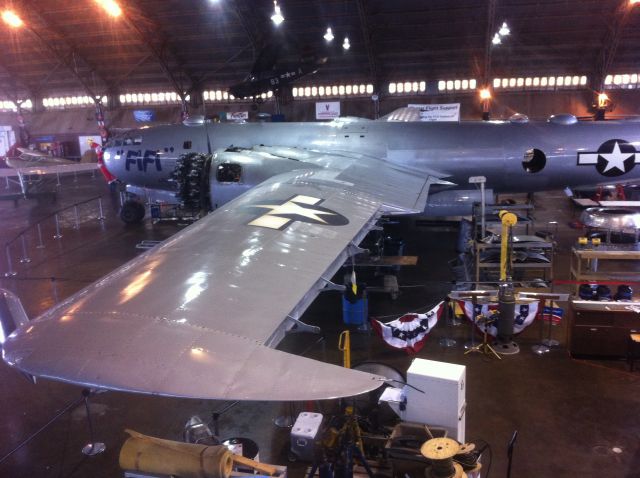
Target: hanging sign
x: 237, y: 115
x: 327, y: 110
x: 440, y: 112
x: 144, y: 116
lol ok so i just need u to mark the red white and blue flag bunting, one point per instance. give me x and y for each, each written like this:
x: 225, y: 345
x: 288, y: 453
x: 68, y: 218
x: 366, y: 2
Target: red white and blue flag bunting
x: 525, y: 314
x: 553, y: 314
x: 409, y: 332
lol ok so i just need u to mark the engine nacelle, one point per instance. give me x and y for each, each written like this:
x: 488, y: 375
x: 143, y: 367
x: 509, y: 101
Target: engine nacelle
x: 456, y: 202
x: 205, y: 182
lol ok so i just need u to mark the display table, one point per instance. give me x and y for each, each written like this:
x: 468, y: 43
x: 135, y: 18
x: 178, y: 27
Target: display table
x: 605, y: 263
x: 602, y: 328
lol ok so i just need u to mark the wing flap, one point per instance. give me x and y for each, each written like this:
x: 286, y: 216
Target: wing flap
x: 185, y: 361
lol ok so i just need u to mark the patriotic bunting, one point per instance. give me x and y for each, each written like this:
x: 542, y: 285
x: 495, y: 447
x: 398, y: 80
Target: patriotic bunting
x: 409, y: 332
x: 524, y: 315
x: 553, y: 314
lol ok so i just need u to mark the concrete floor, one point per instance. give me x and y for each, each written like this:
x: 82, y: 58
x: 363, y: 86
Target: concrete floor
x: 570, y: 414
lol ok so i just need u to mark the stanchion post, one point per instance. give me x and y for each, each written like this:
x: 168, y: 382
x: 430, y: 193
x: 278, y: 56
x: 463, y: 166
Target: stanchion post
x: 10, y: 272
x: 54, y: 290
x: 447, y: 341
x: 58, y: 179
x: 101, y: 215
x: 40, y: 243
x: 473, y: 295
x: 550, y: 342
x: 57, y: 235
x: 93, y: 447
x: 75, y: 213
x: 541, y: 347
x: 24, y: 259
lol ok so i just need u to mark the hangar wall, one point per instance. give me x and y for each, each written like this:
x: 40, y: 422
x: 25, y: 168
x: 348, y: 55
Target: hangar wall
x: 66, y: 125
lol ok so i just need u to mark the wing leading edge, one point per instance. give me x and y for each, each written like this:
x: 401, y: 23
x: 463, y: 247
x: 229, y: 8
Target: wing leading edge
x: 197, y: 316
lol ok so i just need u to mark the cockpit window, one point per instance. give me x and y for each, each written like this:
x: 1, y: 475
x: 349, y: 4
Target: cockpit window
x: 229, y: 173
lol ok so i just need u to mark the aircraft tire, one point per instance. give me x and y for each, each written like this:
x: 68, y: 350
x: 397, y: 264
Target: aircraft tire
x: 132, y: 212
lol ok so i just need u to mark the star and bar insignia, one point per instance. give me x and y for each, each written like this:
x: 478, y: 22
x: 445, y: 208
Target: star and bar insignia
x: 298, y: 208
x: 613, y: 158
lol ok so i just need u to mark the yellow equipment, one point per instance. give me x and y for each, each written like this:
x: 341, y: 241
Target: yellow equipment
x: 509, y: 220
x: 344, y: 345
x: 154, y: 455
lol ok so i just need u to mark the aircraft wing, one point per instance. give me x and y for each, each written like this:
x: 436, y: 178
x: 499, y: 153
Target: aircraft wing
x: 19, y: 167
x: 198, y: 315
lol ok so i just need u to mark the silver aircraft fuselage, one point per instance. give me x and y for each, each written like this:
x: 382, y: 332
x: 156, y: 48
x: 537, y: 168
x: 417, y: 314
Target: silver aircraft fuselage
x: 559, y: 155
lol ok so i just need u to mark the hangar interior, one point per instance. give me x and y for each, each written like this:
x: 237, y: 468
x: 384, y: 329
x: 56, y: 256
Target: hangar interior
x: 555, y: 395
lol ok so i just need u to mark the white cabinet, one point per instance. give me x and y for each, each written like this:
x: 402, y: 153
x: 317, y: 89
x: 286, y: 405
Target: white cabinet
x: 443, y: 402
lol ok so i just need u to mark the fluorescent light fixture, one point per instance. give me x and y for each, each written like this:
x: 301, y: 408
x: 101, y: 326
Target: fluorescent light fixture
x: 504, y: 30
x: 345, y: 44
x: 277, y: 17
x: 110, y: 6
x: 329, y: 35
x: 496, y: 39
x: 12, y: 19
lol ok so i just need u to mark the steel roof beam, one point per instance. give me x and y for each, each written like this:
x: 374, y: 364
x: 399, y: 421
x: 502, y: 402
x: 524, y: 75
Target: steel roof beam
x: 247, y: 20
x: 157, y: 45
x: 491, y: 24
x: 368, y: 43
x: 610, y: 45
x: 67, y: 58
x: 15, y: 79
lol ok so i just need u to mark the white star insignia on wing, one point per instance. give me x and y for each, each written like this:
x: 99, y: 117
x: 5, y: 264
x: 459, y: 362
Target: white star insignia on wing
x: 291, y: 207
x: 616, y: 158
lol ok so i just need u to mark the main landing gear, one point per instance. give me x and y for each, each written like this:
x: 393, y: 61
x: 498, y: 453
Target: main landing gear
x: 132, y: 212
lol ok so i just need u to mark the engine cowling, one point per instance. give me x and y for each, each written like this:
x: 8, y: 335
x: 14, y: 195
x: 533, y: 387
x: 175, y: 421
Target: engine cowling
x: 205, y: 182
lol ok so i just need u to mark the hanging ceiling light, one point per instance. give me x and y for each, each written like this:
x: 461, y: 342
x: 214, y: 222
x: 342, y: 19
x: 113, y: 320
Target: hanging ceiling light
x: 345, y: 44
x: 485, y: 94
x: 111, y: 7
x: 496, y: 39
x: 11, y: 19
x: 277, y: 17
x: 504, y: 29
x: 329, y: 35
x: 603, y: 100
